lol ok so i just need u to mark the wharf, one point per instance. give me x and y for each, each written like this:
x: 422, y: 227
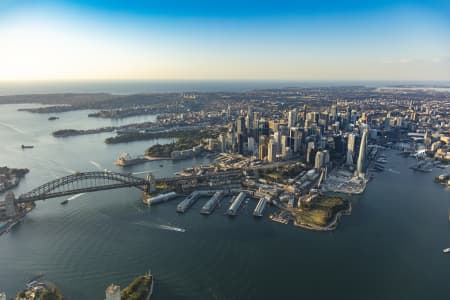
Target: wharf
x: 212, y: 203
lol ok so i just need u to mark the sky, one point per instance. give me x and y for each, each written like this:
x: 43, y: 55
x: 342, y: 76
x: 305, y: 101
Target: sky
x: 224, y: 40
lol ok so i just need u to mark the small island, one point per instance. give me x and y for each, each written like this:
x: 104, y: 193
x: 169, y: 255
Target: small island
x: 139, y: 289
x: 10, y: 177
x: 320, y: 212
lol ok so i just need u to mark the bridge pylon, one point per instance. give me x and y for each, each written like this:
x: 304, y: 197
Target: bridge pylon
x: 150, y: 185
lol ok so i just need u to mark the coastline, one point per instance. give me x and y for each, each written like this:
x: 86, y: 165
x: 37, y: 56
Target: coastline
x: 329, y: 227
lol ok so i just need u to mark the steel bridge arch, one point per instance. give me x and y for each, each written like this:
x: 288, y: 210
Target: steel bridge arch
x: 73, y: 184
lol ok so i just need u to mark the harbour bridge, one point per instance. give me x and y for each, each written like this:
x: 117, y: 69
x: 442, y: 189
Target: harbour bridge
x: 83, y: 182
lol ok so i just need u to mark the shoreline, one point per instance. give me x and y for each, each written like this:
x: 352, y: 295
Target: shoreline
x: 332, y: 225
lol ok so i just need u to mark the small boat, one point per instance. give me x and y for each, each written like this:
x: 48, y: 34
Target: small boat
x: 65, y: 202
x: 446, y: 250
x: 53, y: 118
x: 27, y: 147
x: 161, y: 166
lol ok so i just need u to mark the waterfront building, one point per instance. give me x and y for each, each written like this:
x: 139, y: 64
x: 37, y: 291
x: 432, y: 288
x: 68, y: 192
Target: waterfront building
x: 113, y: 292
x: 350, y: 149
x: 362, y: 157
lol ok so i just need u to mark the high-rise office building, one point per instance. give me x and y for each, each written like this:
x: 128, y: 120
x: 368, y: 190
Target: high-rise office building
x: 296, y: 139
x: 240, y: 125
x: 272, y: 151
x: 222, y: 143
x: 362, y: 157
x: 284, y: 144
x: 292, y: 118
x: 350, y: 149
x: 319, y: 161
x: 262, y: 151
x: 309, y: 152
x: 251, y: 145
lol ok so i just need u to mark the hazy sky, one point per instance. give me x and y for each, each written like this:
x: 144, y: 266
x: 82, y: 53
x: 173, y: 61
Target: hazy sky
x: 270, y: 40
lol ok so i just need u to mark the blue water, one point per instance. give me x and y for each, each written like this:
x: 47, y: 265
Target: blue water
x: 133, y: 87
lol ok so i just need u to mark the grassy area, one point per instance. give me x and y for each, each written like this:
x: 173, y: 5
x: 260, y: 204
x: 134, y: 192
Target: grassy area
x: 280, y: 174
x: 182, y: 143
x: 138, y: 289
x: 320, y: 211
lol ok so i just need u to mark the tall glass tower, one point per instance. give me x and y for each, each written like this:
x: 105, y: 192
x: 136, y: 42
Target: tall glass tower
x: 362, y: 158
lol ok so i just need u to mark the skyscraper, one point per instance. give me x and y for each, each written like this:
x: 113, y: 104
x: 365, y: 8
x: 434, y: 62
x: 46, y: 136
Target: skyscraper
x: 272, y: 151
x: 292, y: 118
x: 350, y: 149
x: 319, y: 160
x: 361, y: 164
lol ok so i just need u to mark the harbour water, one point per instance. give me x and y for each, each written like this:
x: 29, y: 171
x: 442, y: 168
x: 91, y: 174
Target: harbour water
x: 389, y: 248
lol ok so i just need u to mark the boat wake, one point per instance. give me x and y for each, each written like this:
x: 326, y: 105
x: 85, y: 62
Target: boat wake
x: 160, y: 226
x: 167, y: 227
x: 393, y: 171
x: 96, y: 164
x: 75, y: 196
x: 143, y: 172
x: 9, y: 126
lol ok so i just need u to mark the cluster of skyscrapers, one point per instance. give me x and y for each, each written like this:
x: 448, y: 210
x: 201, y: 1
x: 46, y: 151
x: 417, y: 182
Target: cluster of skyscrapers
x: 311, y: 136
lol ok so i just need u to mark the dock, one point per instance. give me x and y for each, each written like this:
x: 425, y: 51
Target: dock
x: 237, y: 201
x: 184, y: 205
x: 259, y: 209
x: 212, y: 203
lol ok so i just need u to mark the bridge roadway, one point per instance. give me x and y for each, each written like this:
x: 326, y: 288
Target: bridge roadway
x: 83, y: 182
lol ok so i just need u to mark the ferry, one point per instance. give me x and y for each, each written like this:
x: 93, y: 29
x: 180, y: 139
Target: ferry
x: 446, y: 250
x: 27, y: 147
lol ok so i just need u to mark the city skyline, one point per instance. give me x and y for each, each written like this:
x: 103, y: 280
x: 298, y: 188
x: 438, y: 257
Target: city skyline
x: 163, y: 40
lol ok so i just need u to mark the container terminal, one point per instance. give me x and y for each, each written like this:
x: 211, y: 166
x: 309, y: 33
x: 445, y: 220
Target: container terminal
x: 237, y: 201
x: 159, y: 199
x: 212, y: 203
x: 259, y: 209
